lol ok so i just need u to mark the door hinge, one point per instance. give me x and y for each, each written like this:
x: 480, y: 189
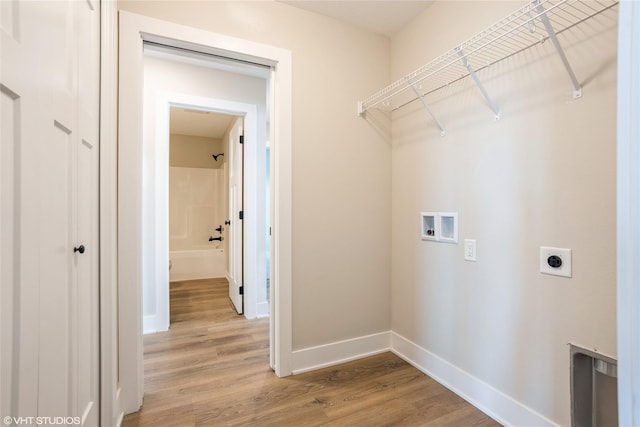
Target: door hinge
x: 241, y: 139
x: 241, y: 290
x: 241, y: 215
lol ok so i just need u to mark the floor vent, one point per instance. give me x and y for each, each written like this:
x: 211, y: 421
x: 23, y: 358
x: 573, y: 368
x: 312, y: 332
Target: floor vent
x: 594, y: 389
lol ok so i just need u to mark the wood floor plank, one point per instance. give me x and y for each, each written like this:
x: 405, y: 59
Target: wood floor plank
x: 212, y: 369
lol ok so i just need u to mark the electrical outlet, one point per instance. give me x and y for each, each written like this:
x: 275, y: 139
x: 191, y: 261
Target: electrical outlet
x: 555, y: 261
x: 470, y: 249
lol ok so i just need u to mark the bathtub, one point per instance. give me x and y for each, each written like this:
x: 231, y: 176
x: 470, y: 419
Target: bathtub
x: 197, y: 263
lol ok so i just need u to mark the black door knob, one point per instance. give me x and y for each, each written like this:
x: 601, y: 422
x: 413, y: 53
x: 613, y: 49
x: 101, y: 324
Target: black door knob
x: 79, y: 249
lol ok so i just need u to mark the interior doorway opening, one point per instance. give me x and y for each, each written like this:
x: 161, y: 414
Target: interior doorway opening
x: 178, y: 83
x: 133, y: 32
x: 204, y: 238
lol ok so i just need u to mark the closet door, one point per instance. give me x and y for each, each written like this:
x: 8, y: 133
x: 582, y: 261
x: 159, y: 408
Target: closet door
x: 49, y: 297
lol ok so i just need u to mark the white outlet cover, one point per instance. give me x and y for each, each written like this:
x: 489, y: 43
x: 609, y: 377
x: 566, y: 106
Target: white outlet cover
x: 564, y: 254
x: 470, y: 249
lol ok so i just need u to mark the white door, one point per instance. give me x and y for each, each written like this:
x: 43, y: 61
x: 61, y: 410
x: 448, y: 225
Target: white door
x: 49, y: 252
x: 236, y: 161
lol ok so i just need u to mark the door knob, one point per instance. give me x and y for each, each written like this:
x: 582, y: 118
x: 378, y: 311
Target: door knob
x: 79, y: 249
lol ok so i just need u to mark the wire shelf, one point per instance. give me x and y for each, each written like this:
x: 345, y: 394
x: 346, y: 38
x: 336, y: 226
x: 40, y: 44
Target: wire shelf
x: 534, y: 23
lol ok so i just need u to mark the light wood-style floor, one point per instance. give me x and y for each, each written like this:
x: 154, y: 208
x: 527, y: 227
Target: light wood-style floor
x: 212, y: 369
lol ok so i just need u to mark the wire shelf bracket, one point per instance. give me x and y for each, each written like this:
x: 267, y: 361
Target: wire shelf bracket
x: 509, y: 36
x: 577, y: 88
x: 443, y: 131
x: 475, y: 78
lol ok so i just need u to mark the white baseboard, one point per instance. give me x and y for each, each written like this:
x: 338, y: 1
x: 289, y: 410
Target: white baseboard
x: 149, y: 324
x: 322, y: 356
x: 492, y: 402
x: 262, y: 310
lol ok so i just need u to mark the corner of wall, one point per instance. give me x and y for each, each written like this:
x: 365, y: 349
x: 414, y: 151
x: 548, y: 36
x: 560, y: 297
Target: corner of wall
x: 312, y: 358
x: 483, y: 396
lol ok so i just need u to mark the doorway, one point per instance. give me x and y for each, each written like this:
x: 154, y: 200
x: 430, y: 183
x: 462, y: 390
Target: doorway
x: 205, y: 240
x: 134, y: 30
x: 175, y: 82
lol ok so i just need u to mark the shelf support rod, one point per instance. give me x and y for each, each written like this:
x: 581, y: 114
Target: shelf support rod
x: 474, y: 76
x: 577, y: 88
x: 443, y: 131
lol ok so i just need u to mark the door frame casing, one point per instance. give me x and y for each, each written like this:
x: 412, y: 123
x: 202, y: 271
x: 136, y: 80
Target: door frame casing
x: 110, y: 390
x: 133, y: 30
x: 249, y: 112
x: 628, y: 211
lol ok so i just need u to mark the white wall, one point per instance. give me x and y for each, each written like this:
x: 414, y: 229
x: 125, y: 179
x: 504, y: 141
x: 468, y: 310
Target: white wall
x: 544, y: 175
x: 341, y: 238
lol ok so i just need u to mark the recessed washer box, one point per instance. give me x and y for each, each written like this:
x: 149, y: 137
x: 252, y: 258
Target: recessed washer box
x: 555, y: 261
x: 428, y: 225
x: 439, y: 226
x: 448, y: 227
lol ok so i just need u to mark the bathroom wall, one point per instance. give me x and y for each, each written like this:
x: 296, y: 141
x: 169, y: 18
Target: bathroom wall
x: 543, y: 175
x: 197, y: 196
x: 195, y: 151
x: 196, y: 207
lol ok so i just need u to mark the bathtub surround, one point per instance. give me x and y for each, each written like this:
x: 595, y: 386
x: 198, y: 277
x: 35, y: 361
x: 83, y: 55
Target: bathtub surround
x: 196, y: 264
x: 197, y: 206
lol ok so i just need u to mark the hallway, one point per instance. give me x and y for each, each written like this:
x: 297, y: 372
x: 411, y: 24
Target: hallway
x: 212, y: 369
